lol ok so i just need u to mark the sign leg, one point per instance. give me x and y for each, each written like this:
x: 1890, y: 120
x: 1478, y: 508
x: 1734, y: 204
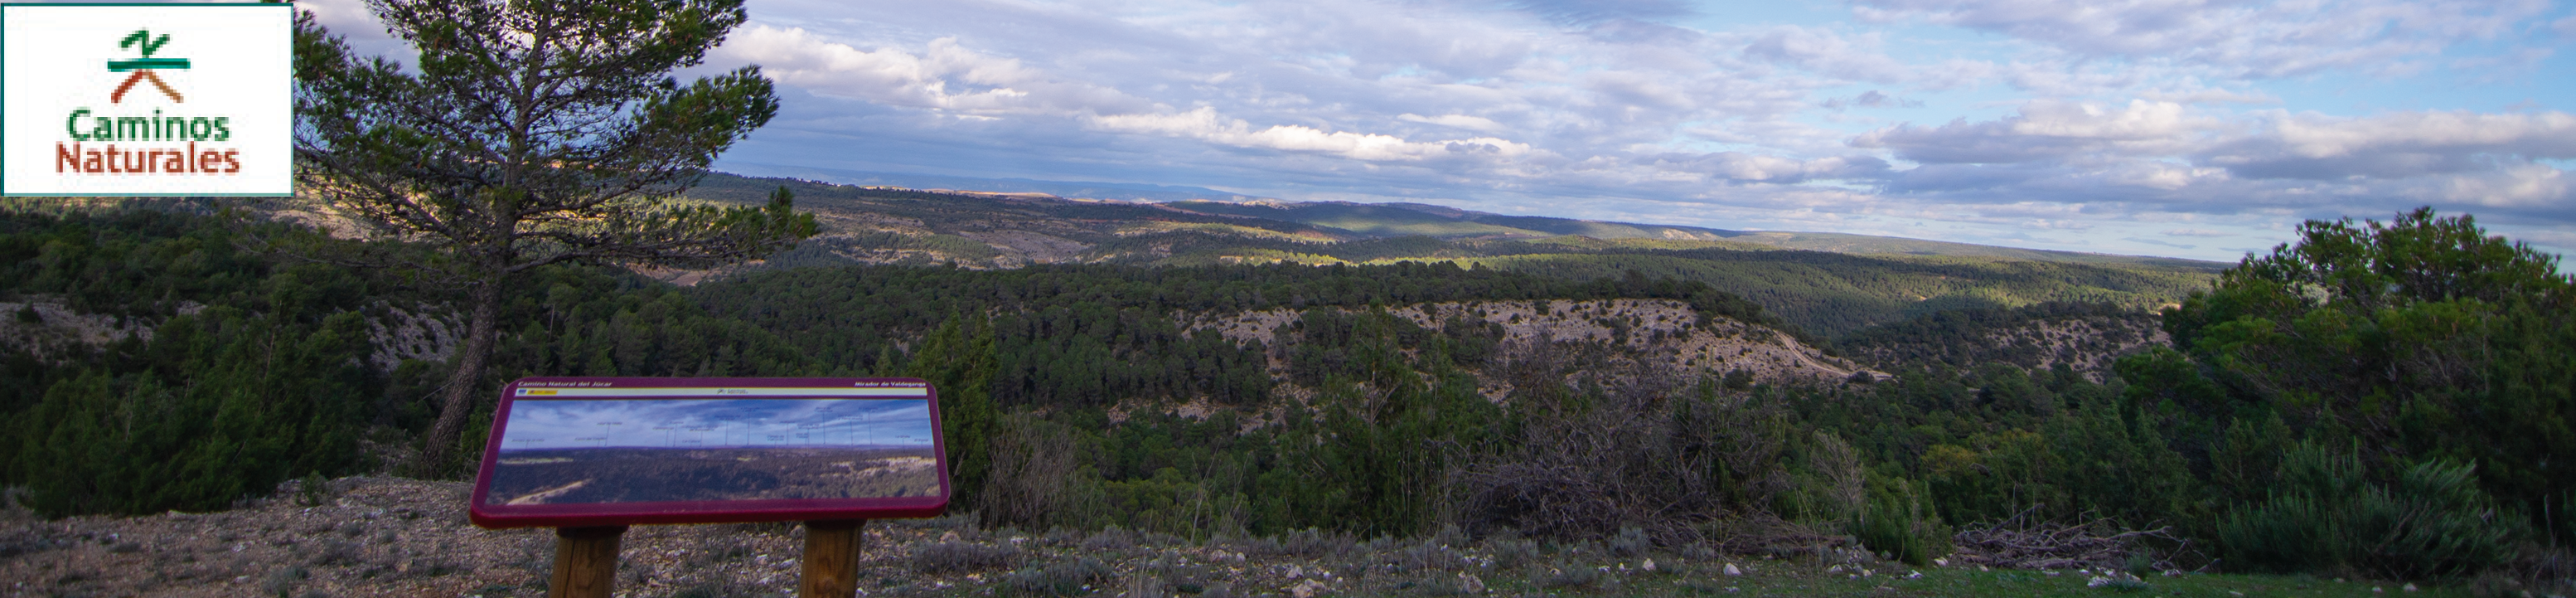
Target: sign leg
x: 585, y: 562
x: 831, y: 559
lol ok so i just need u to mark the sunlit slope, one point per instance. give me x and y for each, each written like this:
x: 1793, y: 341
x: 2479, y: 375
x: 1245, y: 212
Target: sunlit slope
x: 1366, y: 219
x: 1832, y: 294
x: 1825, y: 293
x: 1445, y: 222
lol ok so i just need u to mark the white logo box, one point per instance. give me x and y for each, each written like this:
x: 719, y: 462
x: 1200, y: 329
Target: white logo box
x: 55, y: 60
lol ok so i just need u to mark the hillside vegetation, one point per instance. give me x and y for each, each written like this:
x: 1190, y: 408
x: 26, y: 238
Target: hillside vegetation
x: 2289, y: 422
x: 2084, y: 337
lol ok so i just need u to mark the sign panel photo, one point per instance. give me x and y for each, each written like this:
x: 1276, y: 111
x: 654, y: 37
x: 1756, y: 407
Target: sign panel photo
x: 675, y: 450
x: 147, y: 99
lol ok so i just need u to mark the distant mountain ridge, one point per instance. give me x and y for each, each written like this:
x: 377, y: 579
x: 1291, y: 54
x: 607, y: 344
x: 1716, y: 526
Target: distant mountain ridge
x: 1438, y: 221
x: 925, y: 182
x: 1828, y: 284
x: 1400, y: 219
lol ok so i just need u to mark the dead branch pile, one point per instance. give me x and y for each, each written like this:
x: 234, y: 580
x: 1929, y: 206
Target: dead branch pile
x: 2020, y: 543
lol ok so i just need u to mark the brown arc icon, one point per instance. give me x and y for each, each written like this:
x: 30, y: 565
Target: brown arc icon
x: 140, y: 76
x: 143, y: 67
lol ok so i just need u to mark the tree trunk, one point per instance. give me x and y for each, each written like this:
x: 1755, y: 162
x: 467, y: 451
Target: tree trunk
x: 465, y: 381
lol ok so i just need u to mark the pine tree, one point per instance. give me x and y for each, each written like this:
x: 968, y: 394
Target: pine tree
x: 532, y: 133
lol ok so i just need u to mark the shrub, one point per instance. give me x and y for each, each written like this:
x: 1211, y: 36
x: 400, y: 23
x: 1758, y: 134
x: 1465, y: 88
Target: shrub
x: 1568, y: 575
x: 1064, y: 578
x: 1112, y: 538
x: 942, y: 557
x: 1430, y: 556
x: 1309, y: 542
x: 1512, y: 553
x: 313, y: 491
x: 1631, y: 542
x: 1894, y: 523
x: 2432, y: 522
x: 282, y: 582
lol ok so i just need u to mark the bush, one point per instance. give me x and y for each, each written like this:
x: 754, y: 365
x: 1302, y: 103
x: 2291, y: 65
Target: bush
x: 1631, y: 542
x: 1512, y: 553
x: 1309, y: 542
x: 282, y: 582
x: 1894, y: 523
x: 1568, y: 575
x: 1064, y: 578
x: 942, y: 557
x: 2432, y: 522
x: 1429, y: 556
x: 1112, y: 538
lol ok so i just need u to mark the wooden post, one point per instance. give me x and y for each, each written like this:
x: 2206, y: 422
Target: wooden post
x: 831, y: 559
x: 585, y: 562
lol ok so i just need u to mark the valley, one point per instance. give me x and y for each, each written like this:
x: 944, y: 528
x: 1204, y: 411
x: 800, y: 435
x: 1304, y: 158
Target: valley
x: 1246, y: 395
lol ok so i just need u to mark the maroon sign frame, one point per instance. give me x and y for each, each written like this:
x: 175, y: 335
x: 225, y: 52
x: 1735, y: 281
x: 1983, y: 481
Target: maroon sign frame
x: 575, y: 459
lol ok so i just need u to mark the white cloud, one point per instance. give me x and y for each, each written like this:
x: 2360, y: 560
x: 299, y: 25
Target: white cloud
x: 2405, y: 144
x: 1204, y: 124
x: 1871, y: 99
x: 1462, y: 121
x: 1745, y: 167
x: 1587, y: 12
x: 2194, y: 94
x: 1827, y: 52
x: 944, y: 75
x: 2046, y: 130
x: 2517, y: 186
x: 2559, y: 240
x: 2245, y: 39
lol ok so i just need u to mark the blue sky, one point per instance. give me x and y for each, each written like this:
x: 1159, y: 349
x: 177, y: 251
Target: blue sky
x: 2188, y: 128
x: 675, y: 423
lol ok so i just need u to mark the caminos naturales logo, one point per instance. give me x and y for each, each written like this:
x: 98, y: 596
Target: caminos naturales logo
x: 121, y: 139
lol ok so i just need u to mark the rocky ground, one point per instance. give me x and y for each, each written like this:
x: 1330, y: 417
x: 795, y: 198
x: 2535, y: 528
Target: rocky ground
x: 376, y: 536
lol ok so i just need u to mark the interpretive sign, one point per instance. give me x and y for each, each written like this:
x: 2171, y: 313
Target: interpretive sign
x: 569, y: 452
x: 147, y: 99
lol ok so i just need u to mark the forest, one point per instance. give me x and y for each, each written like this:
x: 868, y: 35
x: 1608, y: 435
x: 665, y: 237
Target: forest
x: 2390, y: 400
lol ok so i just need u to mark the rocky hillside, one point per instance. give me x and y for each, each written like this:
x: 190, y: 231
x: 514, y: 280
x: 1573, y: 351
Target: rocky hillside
x: 1658, y: 334
x: 2083, y: 338
x: 48, y: 329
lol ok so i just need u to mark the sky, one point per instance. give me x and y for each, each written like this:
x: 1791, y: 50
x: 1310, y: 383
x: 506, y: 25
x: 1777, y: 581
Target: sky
x: 2185, y: 128
x: 681, y: 423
